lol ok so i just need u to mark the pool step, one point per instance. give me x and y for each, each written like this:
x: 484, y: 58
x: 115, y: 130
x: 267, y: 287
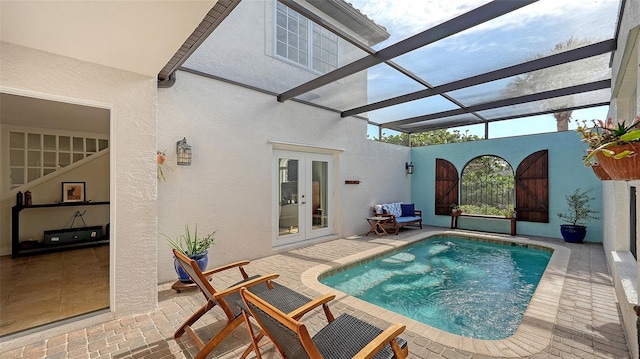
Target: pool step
x: 400, y: 258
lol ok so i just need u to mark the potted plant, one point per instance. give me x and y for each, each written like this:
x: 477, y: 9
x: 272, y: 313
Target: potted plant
x: 578, y: 214
x: 613, y: 147
x: 194, y: 247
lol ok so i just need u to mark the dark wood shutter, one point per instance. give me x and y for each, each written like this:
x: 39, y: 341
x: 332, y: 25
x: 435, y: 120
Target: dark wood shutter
x: 532, y: 188
x: 446, y: 186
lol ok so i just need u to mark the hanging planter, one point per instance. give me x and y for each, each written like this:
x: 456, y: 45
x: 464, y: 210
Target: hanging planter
x: 625, y: 168
x: 613, y: 146
x: 600, y: 172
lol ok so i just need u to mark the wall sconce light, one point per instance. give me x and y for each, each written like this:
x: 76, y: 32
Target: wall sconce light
x: 183, y: 150
x: 409, y: 167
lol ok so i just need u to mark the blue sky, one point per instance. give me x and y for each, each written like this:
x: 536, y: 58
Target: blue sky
x: 505, y: 41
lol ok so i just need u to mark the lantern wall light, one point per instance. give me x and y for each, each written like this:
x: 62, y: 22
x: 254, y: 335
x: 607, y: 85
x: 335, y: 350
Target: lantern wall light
x: 409, y: 167
x: 183, y: 150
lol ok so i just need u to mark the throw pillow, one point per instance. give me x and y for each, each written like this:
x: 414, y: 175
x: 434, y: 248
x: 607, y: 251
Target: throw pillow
x: 408, y: 209
x: 393, y: 208
x: 378, y: 208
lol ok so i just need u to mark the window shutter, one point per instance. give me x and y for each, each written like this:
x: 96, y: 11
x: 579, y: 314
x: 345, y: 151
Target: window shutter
x: 446, y: 186
x: 532, y: 188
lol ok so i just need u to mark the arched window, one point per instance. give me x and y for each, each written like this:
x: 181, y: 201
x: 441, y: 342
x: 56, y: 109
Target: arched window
x: 487, y: 186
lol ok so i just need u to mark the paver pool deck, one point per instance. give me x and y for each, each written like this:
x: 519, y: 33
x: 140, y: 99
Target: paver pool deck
x: 584, y: 322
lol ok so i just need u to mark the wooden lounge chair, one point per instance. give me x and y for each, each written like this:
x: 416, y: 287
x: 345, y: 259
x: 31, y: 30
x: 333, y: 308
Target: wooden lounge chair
x: 345, y: 337
x: 228, y: 299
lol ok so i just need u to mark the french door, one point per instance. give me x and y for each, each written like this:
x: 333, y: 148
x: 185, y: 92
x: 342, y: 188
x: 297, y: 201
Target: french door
x: 303, y: 201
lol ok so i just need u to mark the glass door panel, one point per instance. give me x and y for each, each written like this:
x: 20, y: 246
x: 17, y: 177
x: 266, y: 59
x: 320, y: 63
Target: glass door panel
x: 303, y: 201
x: 289, y: 219
x: 319, y: 208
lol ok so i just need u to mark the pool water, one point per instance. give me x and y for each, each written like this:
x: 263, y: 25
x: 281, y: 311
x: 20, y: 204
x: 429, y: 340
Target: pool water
x: 474, y: 289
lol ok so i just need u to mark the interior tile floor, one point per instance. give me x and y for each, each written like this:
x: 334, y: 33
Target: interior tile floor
x: 44, y: 288
x: 588, y: 324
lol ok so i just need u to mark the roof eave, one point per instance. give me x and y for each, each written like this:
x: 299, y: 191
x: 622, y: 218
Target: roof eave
x: 353, y: 19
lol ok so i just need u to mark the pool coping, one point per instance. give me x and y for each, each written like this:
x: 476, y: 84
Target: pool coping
x: 532, y: 336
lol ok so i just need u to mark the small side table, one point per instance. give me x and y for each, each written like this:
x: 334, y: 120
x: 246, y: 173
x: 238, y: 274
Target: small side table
x: 376, y: 226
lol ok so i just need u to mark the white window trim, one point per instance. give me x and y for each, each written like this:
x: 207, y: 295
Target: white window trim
x: 309, y: 66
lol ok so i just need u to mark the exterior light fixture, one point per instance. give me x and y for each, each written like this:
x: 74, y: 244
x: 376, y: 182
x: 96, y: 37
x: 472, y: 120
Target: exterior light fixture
x: 183, y: 150
x: 409, y: 167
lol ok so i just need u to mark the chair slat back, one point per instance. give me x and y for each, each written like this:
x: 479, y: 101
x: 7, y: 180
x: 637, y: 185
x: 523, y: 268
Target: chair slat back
x: 288, y: 335
x: 191, y: 268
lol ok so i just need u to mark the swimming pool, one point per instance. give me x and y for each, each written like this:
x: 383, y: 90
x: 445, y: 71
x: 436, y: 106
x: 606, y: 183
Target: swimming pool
x: 465, y: 287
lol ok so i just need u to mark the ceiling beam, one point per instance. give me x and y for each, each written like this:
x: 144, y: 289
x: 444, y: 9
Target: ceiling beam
x: 215, y: 16
x: 580, y: 53
x: 572, y: 90
x: 428, y: 127
x: 463, y: 22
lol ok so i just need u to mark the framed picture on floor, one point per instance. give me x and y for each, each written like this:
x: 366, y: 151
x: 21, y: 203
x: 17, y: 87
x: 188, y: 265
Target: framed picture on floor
x: 73, y: 192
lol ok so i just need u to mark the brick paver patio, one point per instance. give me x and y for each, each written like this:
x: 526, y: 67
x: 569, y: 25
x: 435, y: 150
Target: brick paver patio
x: 587, y: 324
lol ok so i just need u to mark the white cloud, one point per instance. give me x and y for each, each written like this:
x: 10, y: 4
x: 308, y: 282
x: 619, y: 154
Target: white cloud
x: 404, y: 18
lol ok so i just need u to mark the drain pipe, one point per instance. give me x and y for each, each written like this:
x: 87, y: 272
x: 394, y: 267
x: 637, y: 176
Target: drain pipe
x: 167, y: 82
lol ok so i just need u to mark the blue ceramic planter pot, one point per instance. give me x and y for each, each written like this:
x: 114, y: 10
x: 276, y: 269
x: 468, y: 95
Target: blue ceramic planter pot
x: 202, y: 260
x: 573, y: 234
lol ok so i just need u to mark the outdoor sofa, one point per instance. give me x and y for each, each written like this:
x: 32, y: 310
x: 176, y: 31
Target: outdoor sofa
x: 399, y: 215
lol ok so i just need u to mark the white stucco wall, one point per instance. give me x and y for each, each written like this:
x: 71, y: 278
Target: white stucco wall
x: 131, y: 98
x: 228, y: 186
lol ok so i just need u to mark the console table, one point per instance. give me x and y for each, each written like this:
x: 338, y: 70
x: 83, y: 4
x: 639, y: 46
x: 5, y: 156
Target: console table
x: 41, y: 248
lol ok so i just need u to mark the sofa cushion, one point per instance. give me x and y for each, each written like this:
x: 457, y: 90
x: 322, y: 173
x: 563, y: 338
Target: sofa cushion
x: 407, y: 219
x: 408, y: 209
x: 393, y: 208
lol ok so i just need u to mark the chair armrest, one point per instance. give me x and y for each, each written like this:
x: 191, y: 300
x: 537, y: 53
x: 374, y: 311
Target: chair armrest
x: 384, y: 338
x: 316, y: 302
x: 418, y: 212
x: 236, y: 288
x: 239, y: 264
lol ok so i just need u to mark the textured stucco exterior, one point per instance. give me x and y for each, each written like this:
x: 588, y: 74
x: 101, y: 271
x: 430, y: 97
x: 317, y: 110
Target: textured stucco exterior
x: 131, y: 98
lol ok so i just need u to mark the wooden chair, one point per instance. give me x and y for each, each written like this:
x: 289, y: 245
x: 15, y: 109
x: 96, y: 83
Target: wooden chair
x: 345, y: 337
x: 228, y: 300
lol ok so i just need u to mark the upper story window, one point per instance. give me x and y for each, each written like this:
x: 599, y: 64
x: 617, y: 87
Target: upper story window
x: 303, y: 42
